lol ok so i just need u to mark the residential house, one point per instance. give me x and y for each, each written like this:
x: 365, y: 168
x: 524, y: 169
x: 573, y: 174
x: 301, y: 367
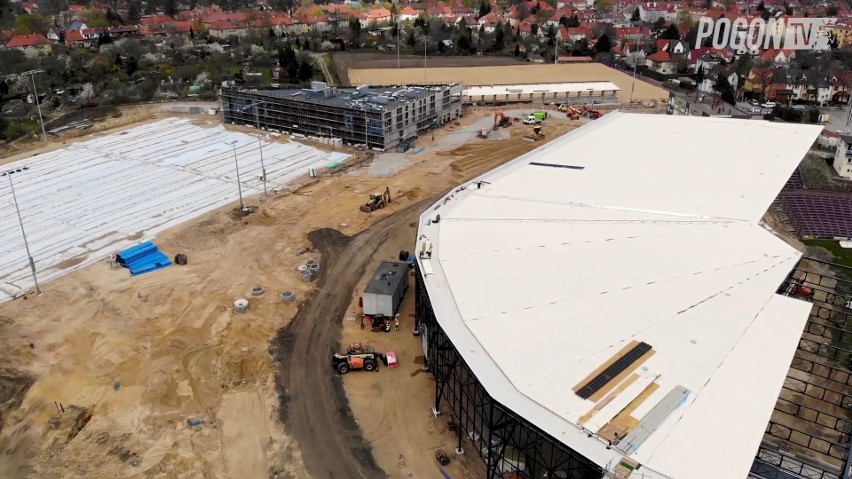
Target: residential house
x: 714, y: 76
x: 672, y: 46
x: 828, y: 139
x: 843, y: 157
x: 524, y: 30
x: 703, y: 59
x: 777, y: 56
x: 634, y: 54
x: 407, y: 13
x: 75, y: 38
x: 652, y: 11
x: 841, y: 81
x: 579, y: 5
x: 661, y: 62
x: 225, y: 29
x: 490, y: 21
x: 52, y: 34
x: 813, y: 87
x: 631, y: 33
x: 758, y: 84
x: 573, y: 34
x: 31, y: 45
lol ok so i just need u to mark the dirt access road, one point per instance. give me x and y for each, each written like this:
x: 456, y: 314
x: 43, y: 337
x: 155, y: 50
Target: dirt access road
x: 179, y: 351
x: 313, y: 400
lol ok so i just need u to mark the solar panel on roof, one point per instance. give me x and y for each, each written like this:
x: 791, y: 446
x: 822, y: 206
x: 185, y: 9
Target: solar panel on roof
x: 608, y: 374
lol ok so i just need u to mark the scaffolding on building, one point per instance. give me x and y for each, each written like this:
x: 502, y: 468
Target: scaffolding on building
x: 378, y: 118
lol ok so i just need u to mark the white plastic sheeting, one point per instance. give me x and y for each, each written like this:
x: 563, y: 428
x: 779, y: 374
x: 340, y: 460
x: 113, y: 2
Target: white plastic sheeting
x: 91, y: 199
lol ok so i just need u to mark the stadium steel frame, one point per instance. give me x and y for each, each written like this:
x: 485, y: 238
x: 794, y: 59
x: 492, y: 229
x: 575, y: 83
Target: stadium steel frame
x: 496, y: 433
x: 809, y: 433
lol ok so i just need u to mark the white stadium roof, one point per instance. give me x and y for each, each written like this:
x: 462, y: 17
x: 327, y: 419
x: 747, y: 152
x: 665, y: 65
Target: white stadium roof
x: 634, y: 228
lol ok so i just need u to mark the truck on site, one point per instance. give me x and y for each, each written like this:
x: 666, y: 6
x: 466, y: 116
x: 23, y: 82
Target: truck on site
x: 357, y: 356
x: 532, y: 120
x: 541, y: 115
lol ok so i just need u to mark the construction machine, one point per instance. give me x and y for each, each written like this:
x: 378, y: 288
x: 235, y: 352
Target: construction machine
x: 796, y: 287
x: 534, y: 134
x: 501, y: 120
x: 377, y: 202
x: 357, y: 356
x: 482, y: 133
x: 594, y: 114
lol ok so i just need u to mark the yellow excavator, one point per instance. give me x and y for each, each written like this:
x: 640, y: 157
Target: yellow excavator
x: 377, y: 202
x: 535, y: 134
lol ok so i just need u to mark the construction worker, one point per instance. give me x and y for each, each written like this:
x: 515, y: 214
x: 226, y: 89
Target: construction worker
x: 362, y: 321
x: 387, y: 326
x: 396, y: 322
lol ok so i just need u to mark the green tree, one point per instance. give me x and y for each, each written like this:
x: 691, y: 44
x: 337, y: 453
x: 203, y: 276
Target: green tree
x: 671, y: 33
x: 635, y: 17
x: 306, y: 69
x: 169, y: 7
x: 134, y: 12
x: 27, y: 24
x: 500, y: 39
x: 573, y: 22
x: 484, y: 8
x: 604, y: 45
x: 355, y: 27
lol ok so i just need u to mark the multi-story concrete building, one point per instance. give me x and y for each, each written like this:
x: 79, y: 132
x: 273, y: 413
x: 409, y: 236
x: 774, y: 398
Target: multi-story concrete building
x: 381, y: 117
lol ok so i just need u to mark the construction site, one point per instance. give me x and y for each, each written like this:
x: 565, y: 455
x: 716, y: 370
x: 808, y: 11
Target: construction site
x: 254, y: 294
x: 379, y: 118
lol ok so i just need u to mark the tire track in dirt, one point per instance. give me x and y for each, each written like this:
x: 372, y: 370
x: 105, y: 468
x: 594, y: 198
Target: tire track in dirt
x: 312, y: 401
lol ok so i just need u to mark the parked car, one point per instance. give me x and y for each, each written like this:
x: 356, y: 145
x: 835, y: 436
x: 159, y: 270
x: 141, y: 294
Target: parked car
x: 753, y: 102
x: 798, y: 107
x: 769, y: 104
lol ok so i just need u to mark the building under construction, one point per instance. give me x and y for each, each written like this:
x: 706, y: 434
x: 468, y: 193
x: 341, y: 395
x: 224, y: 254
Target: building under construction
x: 380, y: 117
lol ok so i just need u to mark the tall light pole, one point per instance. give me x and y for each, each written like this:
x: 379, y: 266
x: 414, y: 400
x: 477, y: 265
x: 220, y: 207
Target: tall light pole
x: 9, y: 174
x: 32, y: 73
x: 398, y: 32
x: 259, y: 142
x: 239, y: 186
x: 425, y: 43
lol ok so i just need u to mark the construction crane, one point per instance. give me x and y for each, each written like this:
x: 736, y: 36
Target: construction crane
x: 377, y: 202
x: 534, y: 134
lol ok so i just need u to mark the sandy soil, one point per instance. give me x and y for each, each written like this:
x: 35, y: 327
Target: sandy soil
x: 178, y: 351
x: 511, y: 75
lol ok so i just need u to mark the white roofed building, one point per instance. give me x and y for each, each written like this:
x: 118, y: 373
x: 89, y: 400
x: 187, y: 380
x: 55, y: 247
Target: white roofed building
x: 575, y: 93
x: 608, y: 303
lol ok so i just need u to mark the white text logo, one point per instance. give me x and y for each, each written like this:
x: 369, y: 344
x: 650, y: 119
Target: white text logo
x: 784, y: 33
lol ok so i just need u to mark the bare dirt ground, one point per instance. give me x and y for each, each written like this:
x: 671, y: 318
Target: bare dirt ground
x: 171, y: 340
x: 343, y: 61
x: 510, y: 75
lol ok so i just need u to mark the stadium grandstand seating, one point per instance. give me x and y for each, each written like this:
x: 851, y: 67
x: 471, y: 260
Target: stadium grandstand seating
x: 816, y: 213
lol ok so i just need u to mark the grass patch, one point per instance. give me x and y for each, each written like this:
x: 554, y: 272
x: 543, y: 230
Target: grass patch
x: 329, y: 63
x: 842, y: 256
